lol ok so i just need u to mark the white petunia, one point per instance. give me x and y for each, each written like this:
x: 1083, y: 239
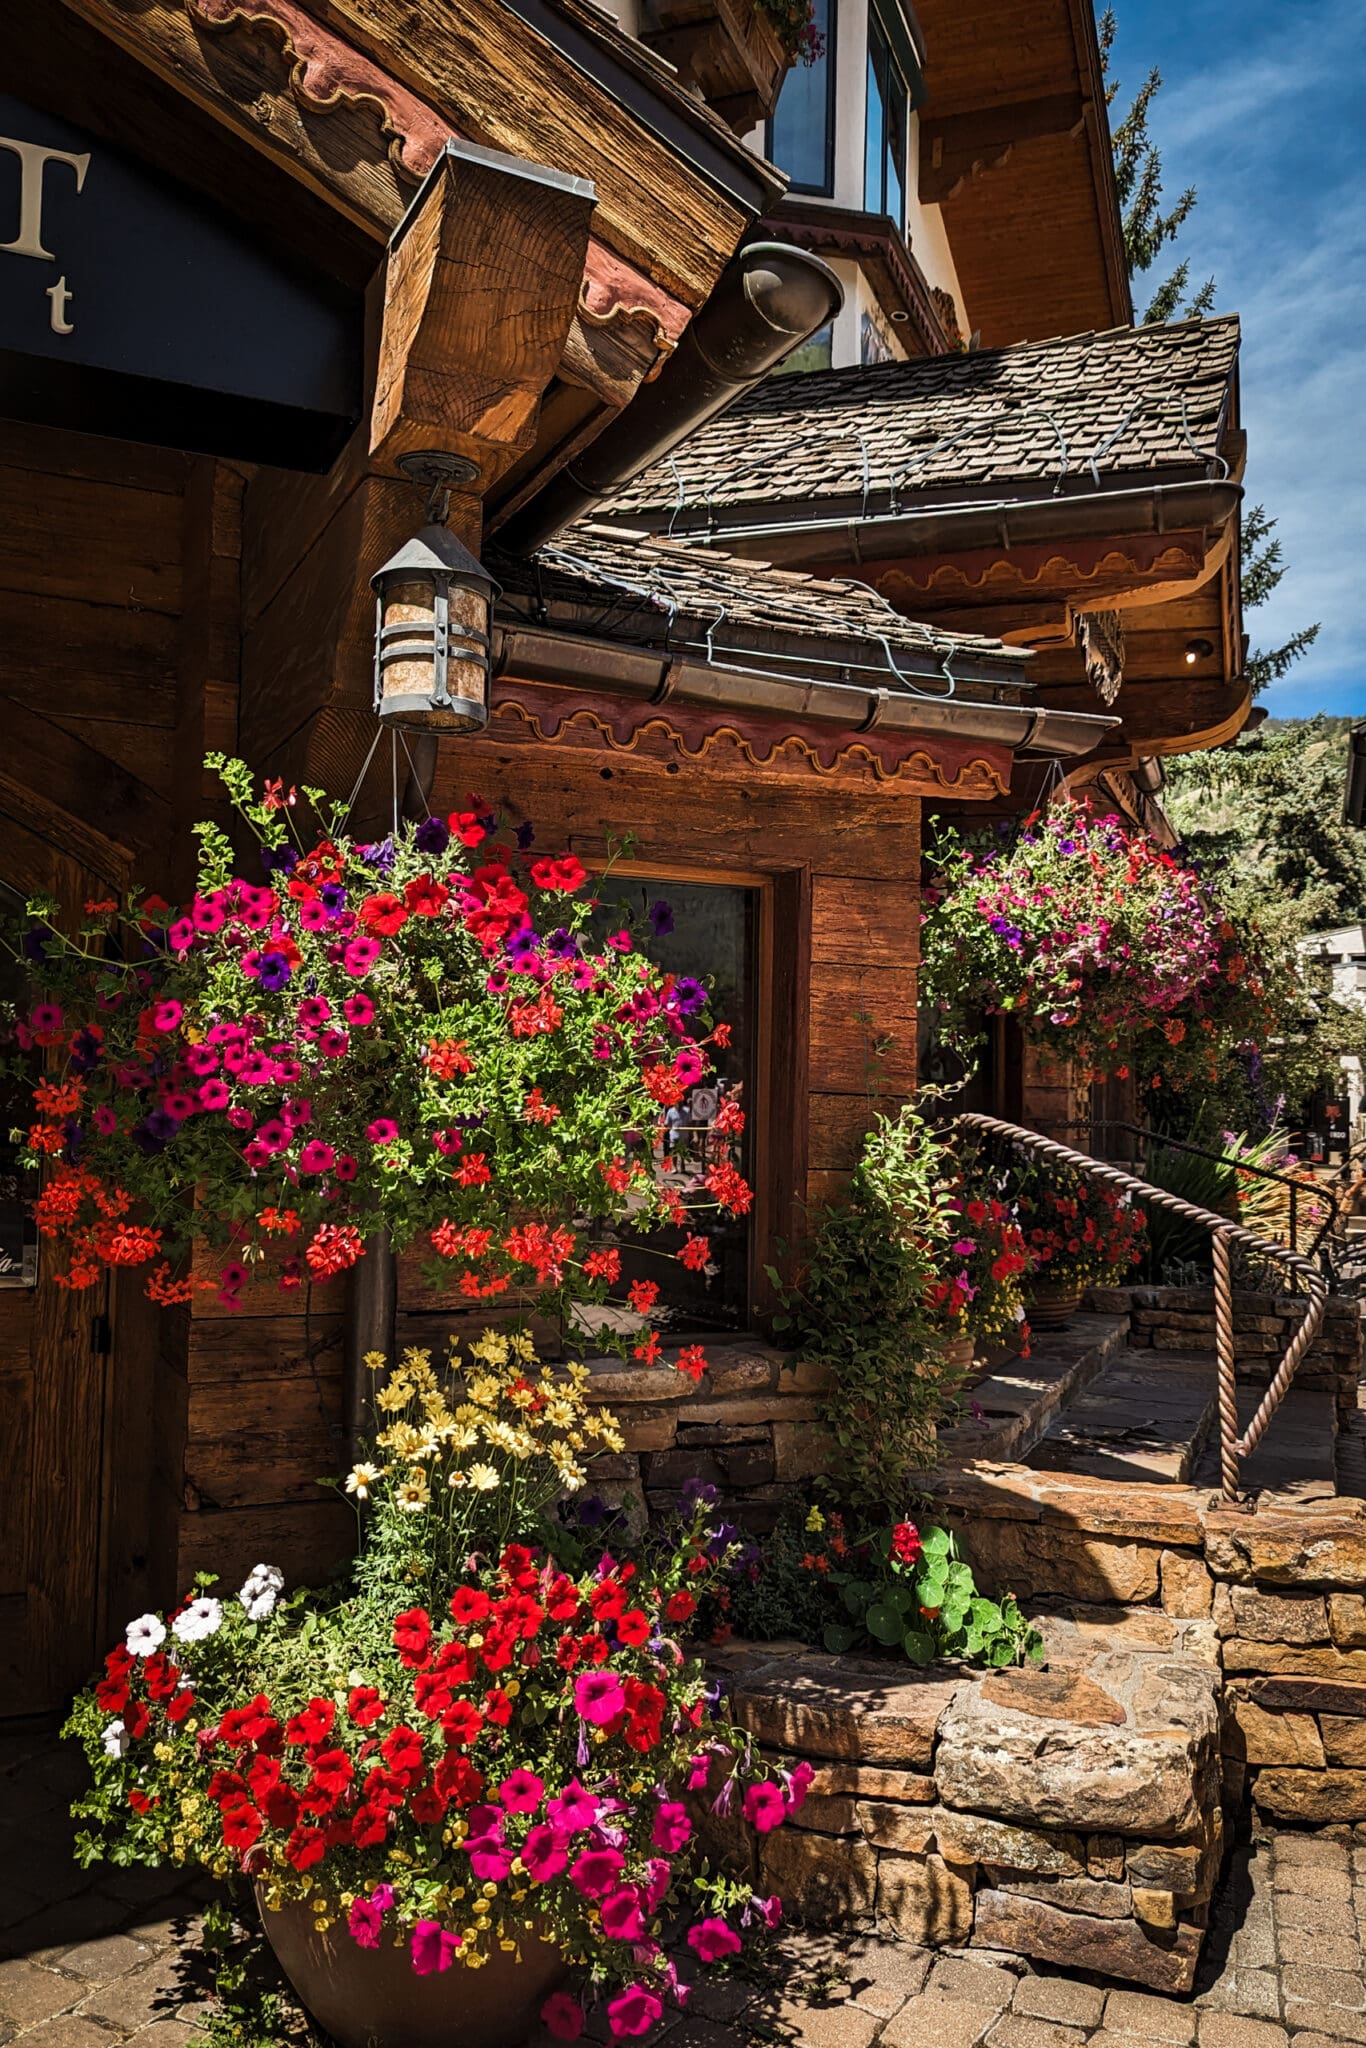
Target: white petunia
x: 115, y: 1739
x: 145, y: 1635
x: 264, y: 1583
x: 203, y: 1617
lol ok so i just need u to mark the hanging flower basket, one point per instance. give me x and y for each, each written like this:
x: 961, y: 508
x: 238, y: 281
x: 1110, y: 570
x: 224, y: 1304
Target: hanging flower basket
x: 736, y: 53
x: 432, y: 1035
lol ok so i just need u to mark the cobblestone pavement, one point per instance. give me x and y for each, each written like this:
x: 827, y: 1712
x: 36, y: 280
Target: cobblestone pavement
x: 90, y: 1959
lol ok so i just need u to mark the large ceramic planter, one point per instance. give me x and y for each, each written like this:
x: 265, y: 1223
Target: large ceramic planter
x: 1052, y: 1305
x: 373, y: 1998
x: 728, y: 50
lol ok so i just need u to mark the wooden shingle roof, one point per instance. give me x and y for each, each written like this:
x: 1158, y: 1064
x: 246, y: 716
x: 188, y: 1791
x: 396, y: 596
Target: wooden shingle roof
x: 1071, y: 414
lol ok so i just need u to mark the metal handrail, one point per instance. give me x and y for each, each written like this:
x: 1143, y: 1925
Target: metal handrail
x: 1286, y: 1180
x: 1224, y: 1235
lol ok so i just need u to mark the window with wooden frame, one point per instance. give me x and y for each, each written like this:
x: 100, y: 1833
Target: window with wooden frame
x: 800, y: 137
x: 713, y: 929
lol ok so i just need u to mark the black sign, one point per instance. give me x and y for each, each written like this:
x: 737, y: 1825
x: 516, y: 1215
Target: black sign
x: 130, y: 306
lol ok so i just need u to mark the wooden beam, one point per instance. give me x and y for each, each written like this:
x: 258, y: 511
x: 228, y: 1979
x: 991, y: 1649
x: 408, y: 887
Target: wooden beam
x: 956, y: 147
x: 480, y: 293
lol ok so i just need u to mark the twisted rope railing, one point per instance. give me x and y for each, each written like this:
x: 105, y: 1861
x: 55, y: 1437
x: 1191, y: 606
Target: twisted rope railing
x: 1233, y: 1447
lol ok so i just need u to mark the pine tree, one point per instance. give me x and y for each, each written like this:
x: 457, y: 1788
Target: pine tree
x: 1263, y: 569
x: 1138, y: 179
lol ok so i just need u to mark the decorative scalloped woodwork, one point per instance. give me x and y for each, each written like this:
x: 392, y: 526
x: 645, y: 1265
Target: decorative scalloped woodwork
x: 1137, y: 570
x: 737, y: 745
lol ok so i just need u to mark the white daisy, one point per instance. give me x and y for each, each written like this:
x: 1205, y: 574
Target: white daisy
x: 145, y: 1635
x: 203, y: 1617
x: 361, y: 1478
x: 483, y: 1478
x: 115, y: 1739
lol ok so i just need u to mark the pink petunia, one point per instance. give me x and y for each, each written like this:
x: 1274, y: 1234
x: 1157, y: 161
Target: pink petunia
x: 672, y: 1827
x: 167, y: 1015
x: 383, y: 1131
x: 634, y: 2011
x: 358, y: 1009
x: 621, y: 1915
x: 598, y: 1697
x: 545, y: 1854
x: 359, y: 957
x: 799, y: 1783
x: 432, y: 1948
x: 105, y: 1121
x: 521, y: 1791
x: 316, y: 1157
x: 334, y: 1044
x: 563, y: 2016
x: 770, y: 1911
x: 596, y: 1871
x: 712, y: 1939
x: 764, y: 1807
x: 213, y: 1095
x: 365, y: 1922
x: 572, y: 1810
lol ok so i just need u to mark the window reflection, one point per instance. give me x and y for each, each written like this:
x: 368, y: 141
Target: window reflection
x: 713, y: 937
x: 801, y: 132
x: 887, y: 128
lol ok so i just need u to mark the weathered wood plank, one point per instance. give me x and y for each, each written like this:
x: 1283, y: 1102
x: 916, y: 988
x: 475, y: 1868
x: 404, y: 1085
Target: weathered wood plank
x: 854, y: 919
x: 99, y: 543
x: 306, y: 1539
x: 244, y: 1452
x: 863, y: 1030
x: 231, y: 1351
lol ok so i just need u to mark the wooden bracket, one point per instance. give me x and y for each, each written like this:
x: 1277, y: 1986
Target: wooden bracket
x: 482, y: 288
x: 956, y: 147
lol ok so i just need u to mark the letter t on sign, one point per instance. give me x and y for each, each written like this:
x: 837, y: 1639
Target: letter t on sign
x: 33, y: 160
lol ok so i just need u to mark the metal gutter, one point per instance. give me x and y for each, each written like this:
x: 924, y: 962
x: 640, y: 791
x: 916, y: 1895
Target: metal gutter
x: 767, y: 301
x: 1001, y: 523
x: 535, y: 654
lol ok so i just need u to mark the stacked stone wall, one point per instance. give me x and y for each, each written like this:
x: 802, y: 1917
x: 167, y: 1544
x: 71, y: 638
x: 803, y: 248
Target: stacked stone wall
x: 1182, y: 1319
x: 750, y: 1427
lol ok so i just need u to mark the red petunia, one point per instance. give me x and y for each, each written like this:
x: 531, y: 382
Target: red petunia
x: 305, y: 1847
x: 413, y: 1637
x: 384, y: 914
x: 462, y: 1722
x: 469, y: 1606
x: 633, y: 1627
x: 364, y: 1705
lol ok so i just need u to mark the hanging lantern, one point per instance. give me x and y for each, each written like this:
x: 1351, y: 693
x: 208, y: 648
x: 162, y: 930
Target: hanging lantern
x: 433, y: 603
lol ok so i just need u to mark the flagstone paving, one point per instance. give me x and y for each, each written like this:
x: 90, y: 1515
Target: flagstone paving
x: 94, y: 1959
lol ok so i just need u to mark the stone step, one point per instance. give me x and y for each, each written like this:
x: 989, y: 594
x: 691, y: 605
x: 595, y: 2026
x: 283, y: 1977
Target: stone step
x: 1297, y: 1459
x: 1145, y: 1417
x: 1014, y: 1404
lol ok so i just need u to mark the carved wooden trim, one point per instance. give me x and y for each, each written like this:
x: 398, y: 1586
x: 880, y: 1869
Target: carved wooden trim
x: 327, y: 73
x: 1084, y: 570
x: 694, y: 735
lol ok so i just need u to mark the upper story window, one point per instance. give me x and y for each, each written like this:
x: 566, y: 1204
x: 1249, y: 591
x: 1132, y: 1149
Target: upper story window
x: 887, y: 127
x: 801, y: 134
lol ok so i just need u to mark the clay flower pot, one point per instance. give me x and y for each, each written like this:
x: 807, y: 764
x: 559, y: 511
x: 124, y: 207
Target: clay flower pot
x: 373, y: 1998
x: 1052, y: 1304
x: 957, y: 1353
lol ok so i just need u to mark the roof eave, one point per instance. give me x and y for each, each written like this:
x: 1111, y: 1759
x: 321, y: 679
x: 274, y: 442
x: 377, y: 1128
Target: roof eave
x: 541, y: 654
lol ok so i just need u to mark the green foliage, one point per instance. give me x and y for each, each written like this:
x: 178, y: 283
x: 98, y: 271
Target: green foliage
x: 891, y: 1588
x: 861, y: 1306
x: 1264, y: 817
x: 1176, y: 1245
x: 1148, y: 226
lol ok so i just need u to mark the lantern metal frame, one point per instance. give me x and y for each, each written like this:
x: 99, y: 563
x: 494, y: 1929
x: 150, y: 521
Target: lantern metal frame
x: 437, y: 558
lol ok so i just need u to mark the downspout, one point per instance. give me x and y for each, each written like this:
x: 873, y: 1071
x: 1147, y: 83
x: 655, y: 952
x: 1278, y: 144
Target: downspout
x: 769, y: 300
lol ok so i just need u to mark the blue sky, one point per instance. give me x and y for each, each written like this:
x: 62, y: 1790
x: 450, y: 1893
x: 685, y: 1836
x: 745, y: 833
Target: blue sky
x: 1263, y: 109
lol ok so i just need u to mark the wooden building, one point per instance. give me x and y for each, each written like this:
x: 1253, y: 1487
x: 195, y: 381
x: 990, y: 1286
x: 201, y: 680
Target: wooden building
x: 283, y: 282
